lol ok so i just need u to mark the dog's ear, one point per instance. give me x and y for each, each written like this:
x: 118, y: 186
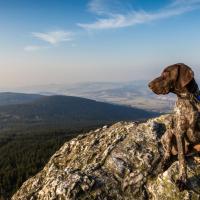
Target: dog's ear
x: 185, y: 75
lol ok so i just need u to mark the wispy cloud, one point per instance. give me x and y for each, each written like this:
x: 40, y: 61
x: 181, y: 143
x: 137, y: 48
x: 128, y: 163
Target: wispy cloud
x: 111, y: 19
x: 96, y: 6
x: 54, y: 37
x: 34, y: 48
x: 100, y: 6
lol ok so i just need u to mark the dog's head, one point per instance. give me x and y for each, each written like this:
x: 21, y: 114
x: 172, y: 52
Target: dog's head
x: 173, y: 79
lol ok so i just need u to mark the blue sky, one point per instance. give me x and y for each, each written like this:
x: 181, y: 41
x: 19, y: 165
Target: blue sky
x: 66, y: 41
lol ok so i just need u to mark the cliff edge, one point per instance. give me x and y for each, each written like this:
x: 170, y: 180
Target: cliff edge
x: 112, y: 163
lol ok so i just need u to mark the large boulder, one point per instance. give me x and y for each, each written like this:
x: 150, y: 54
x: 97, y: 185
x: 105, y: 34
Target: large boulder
x: 112, y: 163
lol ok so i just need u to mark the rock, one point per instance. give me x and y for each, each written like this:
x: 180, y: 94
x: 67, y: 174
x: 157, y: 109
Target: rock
x: 112, y: 163
x: 163, y: 186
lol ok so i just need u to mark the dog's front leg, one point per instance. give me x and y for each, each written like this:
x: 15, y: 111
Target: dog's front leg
x: 181, y: 182
x: 166, y: 141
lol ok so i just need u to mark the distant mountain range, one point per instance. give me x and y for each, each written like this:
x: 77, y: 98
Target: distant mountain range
x: 135, y: 93
x: 64, y: 110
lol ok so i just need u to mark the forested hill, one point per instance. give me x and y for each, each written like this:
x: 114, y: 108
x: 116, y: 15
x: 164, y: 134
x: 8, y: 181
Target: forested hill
x: 71, y: 109
x: 10, y: 98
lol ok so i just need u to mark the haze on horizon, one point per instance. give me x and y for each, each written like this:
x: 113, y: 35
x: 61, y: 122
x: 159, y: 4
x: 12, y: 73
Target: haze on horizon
x: 68, y: 41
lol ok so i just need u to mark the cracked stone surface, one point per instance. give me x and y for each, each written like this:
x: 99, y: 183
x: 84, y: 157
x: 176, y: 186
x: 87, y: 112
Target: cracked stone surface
x: 111, y: 163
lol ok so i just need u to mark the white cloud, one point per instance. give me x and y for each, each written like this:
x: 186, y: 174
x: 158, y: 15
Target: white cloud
x: 118, y: 20
x: 34, y: 48
x: 54, y: 37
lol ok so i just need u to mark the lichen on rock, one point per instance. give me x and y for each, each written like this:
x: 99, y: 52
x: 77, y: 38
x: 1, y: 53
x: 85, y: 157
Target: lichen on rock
x: 116, y: 162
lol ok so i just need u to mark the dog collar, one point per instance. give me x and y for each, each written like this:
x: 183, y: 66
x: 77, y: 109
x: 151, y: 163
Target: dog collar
x: 198, y: 97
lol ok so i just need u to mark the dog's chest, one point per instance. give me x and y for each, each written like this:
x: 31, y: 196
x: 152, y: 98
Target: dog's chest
x: 186, y: 107
x: 186, y: 111
x: 183, y: 107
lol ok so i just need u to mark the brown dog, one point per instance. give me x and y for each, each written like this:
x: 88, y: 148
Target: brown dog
x: 179, y: 79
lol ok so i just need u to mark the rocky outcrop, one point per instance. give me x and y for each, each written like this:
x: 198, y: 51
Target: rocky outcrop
x: 112, y: 163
